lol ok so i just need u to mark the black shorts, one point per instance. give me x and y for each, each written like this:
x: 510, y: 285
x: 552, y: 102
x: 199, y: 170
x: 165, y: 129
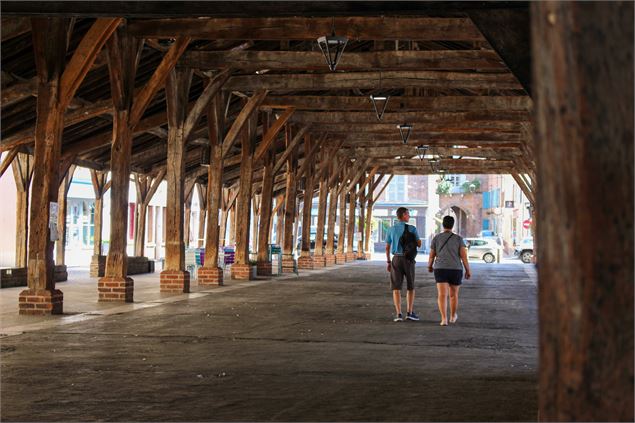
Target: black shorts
x: 451, y: 276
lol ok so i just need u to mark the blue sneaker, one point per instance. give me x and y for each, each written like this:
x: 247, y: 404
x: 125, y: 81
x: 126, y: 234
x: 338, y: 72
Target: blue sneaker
x: 399, y: 318
x: 412, y: 316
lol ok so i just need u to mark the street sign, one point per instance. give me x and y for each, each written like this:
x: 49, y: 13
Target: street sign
x: 527, y: 223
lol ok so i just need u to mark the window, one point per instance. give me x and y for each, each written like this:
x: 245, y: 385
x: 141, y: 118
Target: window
x: 396, y: 191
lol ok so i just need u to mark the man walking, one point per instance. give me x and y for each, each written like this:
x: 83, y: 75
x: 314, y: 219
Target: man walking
x: 401, y: 266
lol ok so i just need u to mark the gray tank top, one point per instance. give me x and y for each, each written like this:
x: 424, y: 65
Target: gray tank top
x: 449, y: 257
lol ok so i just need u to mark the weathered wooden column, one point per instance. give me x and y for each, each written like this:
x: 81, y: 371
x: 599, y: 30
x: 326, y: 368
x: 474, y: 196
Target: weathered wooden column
x: 60, y: 272
x: 97, y: 261
x: 280, y: 200
x: 231, y: 237
x: 146, y: 187
x: 187, y: 214
x: 255, y: 221
x: 340, y: 258
x: 329, y: 257
x: 350, y: 229
x: 319, y: 260
x: 264, y: 230
x: 202, y: 213
x: 211, y: 273
x: 361, y: 253
x: 583, y: 103
x: 305, y: 261
x: 288, y: 261
x: 241, y: 269
x: 174, y: 278
x: 368, y: 248
x: 22, y: 171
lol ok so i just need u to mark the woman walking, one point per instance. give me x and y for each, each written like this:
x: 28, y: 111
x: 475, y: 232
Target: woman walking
x: 447, y: 252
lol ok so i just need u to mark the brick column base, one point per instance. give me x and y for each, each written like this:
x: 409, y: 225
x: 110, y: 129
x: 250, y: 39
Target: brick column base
x: 115, y: 289
x: 361, y: 256
x: 210, y: 276
x: 288, y: 265
x: 319, y: 261
x: 305, y: 262
x: 263, y: 268
x: 241, y: 272
x: 351, y: 256
x: 340, y: 258
x: 41, y: 301
x: 369, y: 256
x: 175, y: 281
x: 329, y: 260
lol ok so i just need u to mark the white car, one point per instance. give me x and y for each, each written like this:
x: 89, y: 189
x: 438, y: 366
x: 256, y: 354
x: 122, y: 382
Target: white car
x: 525, y: 250
x: 486, y: 249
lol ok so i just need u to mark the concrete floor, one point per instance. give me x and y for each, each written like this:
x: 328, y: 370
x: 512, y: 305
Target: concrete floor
x: 320, y: 347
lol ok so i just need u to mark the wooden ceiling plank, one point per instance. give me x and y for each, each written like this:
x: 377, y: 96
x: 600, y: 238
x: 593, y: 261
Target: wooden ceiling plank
x: 241, y: 120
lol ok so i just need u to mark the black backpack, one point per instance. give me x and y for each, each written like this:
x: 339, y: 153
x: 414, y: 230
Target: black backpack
x: 408, y: 243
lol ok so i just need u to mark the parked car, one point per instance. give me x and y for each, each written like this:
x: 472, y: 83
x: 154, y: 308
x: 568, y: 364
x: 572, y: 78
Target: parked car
x: 486, y: 249
x: 313, y: 234
x: 525, y: 250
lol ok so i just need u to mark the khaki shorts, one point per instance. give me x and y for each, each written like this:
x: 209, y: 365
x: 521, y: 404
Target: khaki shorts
x: 401, y: 267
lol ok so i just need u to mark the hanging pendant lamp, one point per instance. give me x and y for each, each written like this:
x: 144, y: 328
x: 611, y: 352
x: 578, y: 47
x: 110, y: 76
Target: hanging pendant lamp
x: 205, y: 156
x: 332, y: 47
x: 421, y: 151
x: 405, y: 129
x: 379, y: 104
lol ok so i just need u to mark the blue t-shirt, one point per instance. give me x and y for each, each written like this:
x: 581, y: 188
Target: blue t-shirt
x: 394, y: 235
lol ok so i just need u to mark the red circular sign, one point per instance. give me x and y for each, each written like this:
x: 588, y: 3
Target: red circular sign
x: 527, y: 223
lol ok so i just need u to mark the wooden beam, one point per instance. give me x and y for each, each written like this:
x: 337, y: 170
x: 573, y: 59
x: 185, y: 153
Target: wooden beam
x: 400, y: 103
x: 351, y: 61
x: 412, y: 117
x: 289, y: 149
x: 84, y: 57
x: 308, y: 156
x: 211, y: 89
x: 271, y: 134
x: 157, y: 80
x: 14, y: 26
x: 369, y: 178
x: 308, y: 28
x: 409, y: 151
x: 381, y: 191
x: 373, y: 80
x: 460, y: 127
x: 8, y: 160
x: 242, y: 119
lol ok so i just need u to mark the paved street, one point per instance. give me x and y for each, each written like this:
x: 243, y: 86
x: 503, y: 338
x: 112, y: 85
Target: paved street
x: 320, y: 347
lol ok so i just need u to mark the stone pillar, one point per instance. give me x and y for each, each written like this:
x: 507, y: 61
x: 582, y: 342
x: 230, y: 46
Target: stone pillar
x: 583, y: 105
x: 49, y: 43
x: 264, y: 230
x: 340, y: 257
x: 211, y: 273
x: 241, y: 269
x: 175, y: 278
x: 288, y: 262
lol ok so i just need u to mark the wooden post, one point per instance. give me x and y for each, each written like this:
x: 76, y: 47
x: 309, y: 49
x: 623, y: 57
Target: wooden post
x: 368, y: 248
x: 187, y: 218
x: 22, y: 171
x: 97, y: 263
x: 263, y: 262
x: 146, y: 188
x: 231, y: 237
x: 340, y: 258
x: 211, y: 273
x: 361, y: 253
x: 288, y: 261
x: 318, y: 256
x: 280, y: 202
x: 305, y: 261
x: 583, y: 103
x: 350, y: 229
x: 329, y: 257
x: 60, y: 244
x: 174, y: 278
x: 202, y: 213
x: 241, y: 269
x: 255, y: 221
x: 49, y: 43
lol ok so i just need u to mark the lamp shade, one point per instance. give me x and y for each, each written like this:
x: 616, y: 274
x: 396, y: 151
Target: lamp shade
x: 405, y: 129
x: 379, y: 104
x: 332, y: 48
